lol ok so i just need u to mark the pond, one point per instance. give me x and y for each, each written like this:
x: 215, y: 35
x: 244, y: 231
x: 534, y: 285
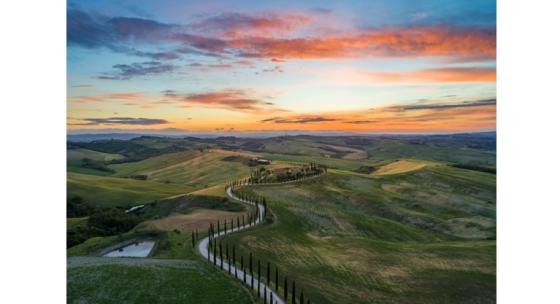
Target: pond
x: 139, y: 250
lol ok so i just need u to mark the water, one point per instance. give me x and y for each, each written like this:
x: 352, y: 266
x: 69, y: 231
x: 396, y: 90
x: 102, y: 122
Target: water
x: 139, y: 250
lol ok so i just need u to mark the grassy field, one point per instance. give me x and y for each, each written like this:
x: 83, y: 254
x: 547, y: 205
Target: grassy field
x: 193, y: 282
x: 80, y: 153
x: 192, y: 168
x: 400, y: 166
x: 427, y: 236
x: 106, y: 191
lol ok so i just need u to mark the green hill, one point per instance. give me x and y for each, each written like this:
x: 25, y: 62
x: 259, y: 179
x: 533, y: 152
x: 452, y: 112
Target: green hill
x: 425, y: 236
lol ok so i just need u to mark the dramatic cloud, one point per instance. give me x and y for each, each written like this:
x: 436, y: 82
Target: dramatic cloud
x: 272, y: 36
x: 299, y: 119
x: 128, y: 71
x: 121, y: 121
x: 235, y: 25
x: 382, y: 42
x: 235, y: 100
x: 438, y: 106
x: 457, y: 75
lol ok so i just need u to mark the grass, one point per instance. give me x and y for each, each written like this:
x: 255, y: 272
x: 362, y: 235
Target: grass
x: 80, y: 153
x: 337, y: 163
x: 104, y: 191
x: 385, y: 149
x: 355, y: 238
x: 193, y: 168
x: 400, y: 166
x: 194, y: 283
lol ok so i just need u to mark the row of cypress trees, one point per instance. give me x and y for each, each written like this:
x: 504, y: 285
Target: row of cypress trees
x: 218, y: 250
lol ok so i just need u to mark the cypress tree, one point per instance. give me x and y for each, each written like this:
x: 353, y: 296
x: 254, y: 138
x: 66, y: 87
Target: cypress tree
x: 259, y: 278
x: 264, y: 295
x: 234, y: 268
x: 214, y: 252
x: 208, y: 249
x: 270, y: 297
x: 238, y: 223
x: 286, y: 288
x: 251, y: 268
x: 268, y: 273
x: 294, y: 292
x: 232, y: 224
x: 227, y: 258
x: 301, y: 297
x: 192, y: 237
x: 243, y: 219
x: 276, y: 287
x: 243, y: 269
x: 218, y: 227
x: 221, y: 257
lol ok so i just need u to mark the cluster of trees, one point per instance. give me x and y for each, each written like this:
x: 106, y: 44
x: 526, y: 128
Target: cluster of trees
x: 100, y: 222
x: 309, y: 170
x: 75, y: 207
x: 96, y: 165
x: 475, y: 168
x: 266, y: 176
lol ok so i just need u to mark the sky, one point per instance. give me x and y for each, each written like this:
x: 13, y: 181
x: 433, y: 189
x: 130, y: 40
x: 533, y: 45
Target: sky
x: 255, y: 66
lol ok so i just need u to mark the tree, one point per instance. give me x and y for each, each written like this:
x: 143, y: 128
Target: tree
x: 227, y: 258
x: 234, y: 269
x: 286, y: 288
x: 276, y: 287
x: 221, y: 257
x: 294, y: 292
x: 268, y: 273
x: 192, y: 237
x: 301, y: 297
x: 251, y: 268
x: 243, y: 269
x: 258, y: 278
x: 215, y: 252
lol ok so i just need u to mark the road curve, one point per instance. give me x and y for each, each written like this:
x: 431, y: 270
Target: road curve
x: 234, y: 271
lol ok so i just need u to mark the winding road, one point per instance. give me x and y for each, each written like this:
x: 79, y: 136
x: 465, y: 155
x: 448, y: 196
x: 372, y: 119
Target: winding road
x: 203, y: 249
x: 264, y: 290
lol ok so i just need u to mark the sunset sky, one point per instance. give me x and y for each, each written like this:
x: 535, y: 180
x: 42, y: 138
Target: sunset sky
x: 358, y: 66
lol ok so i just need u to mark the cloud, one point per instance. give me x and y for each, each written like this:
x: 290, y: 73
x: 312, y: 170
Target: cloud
x: 121, y: 121
x: 128, y: 71
x: 298, y: 120
x: 81, y: 86
x: 235, y: 25
x: 276, y: 36
x: 457, y: 75
x: 231, y: 99
x: 381, y: 42
x: 439, y: 106
x: 360, y: 122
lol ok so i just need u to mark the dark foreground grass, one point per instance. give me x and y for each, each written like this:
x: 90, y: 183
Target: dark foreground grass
x: 351, y: 238
x: 196, y: 283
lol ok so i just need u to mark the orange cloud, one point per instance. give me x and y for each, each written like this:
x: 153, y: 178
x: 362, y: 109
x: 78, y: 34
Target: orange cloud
x: 434, y: 117
x: 437, y: 75
x: 234, y: 100
x: 386, y: 42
